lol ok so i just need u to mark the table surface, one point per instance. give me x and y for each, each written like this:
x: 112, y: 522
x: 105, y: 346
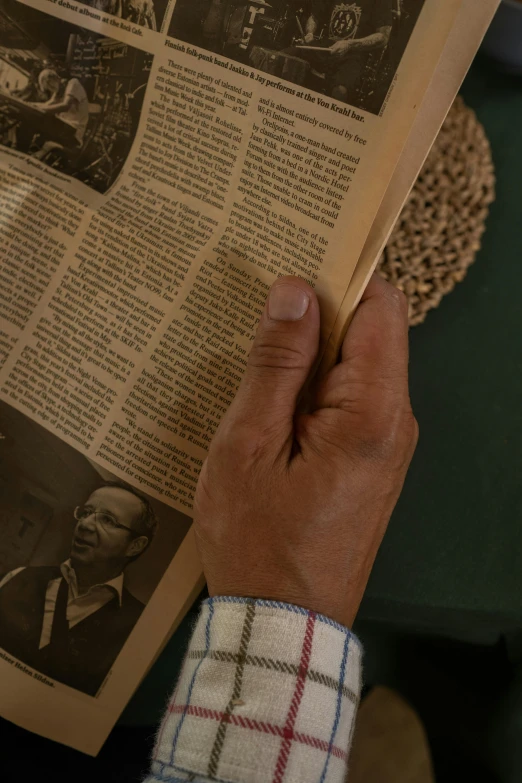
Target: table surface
x: 453, y: 552
x: 451, y: 560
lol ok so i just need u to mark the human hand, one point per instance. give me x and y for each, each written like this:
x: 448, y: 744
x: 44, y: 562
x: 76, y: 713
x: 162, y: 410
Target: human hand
x: 309, y: 37
x: 293, y: 507
x: 340, y: 48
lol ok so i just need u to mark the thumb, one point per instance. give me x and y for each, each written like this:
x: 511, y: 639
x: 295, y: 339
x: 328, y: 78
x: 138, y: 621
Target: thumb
x: 281, y: 358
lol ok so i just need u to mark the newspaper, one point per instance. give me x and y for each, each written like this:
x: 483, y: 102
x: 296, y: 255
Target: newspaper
x: 161, y: 165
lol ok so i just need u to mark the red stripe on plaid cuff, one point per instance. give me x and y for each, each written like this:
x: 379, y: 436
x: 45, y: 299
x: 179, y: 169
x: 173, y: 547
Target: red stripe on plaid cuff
x: 306, y: 652
x: 261, y: 726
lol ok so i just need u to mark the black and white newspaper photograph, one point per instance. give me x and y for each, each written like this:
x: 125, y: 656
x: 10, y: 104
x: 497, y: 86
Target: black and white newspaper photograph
x: 348, y: 51
x: 81, y: 554
x: 147, y: 13
x: 69, y: 97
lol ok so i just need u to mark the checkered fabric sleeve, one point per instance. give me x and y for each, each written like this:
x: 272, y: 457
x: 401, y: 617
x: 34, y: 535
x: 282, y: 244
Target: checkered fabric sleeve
x: 267, y: 694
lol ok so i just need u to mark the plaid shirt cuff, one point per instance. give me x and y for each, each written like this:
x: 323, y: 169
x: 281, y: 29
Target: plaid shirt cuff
x: 267, y: 693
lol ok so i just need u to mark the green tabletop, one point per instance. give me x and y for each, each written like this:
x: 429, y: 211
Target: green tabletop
x: 451, y: 562
x: 452, y: 557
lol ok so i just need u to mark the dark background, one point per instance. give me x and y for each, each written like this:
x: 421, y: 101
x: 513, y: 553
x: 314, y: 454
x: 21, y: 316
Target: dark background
x: 42, y: 480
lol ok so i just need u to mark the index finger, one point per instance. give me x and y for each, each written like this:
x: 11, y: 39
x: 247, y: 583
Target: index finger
x: 375, y: 349
x: 378, y: 333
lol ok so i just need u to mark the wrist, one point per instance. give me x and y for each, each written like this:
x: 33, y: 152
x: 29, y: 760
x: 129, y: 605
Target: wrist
x: 266, y: 607
x: 341, y: 610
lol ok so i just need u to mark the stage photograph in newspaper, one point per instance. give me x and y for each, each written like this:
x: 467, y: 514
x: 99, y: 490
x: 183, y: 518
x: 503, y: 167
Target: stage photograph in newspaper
x: 147, y: 13
x: 68, y: 97
x: 349, y: 51
x: 81, y: 553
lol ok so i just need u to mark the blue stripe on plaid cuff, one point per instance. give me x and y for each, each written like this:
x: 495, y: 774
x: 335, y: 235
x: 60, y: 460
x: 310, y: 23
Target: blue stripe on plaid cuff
x: 267, y: 694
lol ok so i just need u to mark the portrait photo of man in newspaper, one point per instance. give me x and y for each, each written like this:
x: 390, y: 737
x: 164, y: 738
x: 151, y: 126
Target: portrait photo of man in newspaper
x: 349, y: 51
x: 73, y: 593
x: 69, y: 97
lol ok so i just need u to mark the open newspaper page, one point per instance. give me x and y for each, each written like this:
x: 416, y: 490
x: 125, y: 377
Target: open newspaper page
x: 160, y: 166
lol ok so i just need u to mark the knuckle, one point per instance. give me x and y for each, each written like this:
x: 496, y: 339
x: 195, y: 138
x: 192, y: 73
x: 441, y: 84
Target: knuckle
x: 241, y: 443
x: 376, y: 447
x: 204, y: 491
x: 401, y: 298
x: 397, y: 300
x: 414, y: 432
x: 271, y: 354
x: 389, y: 439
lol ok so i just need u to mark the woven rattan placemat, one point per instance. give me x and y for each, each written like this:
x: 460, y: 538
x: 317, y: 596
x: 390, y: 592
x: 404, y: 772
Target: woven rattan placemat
x: 438, y: 232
